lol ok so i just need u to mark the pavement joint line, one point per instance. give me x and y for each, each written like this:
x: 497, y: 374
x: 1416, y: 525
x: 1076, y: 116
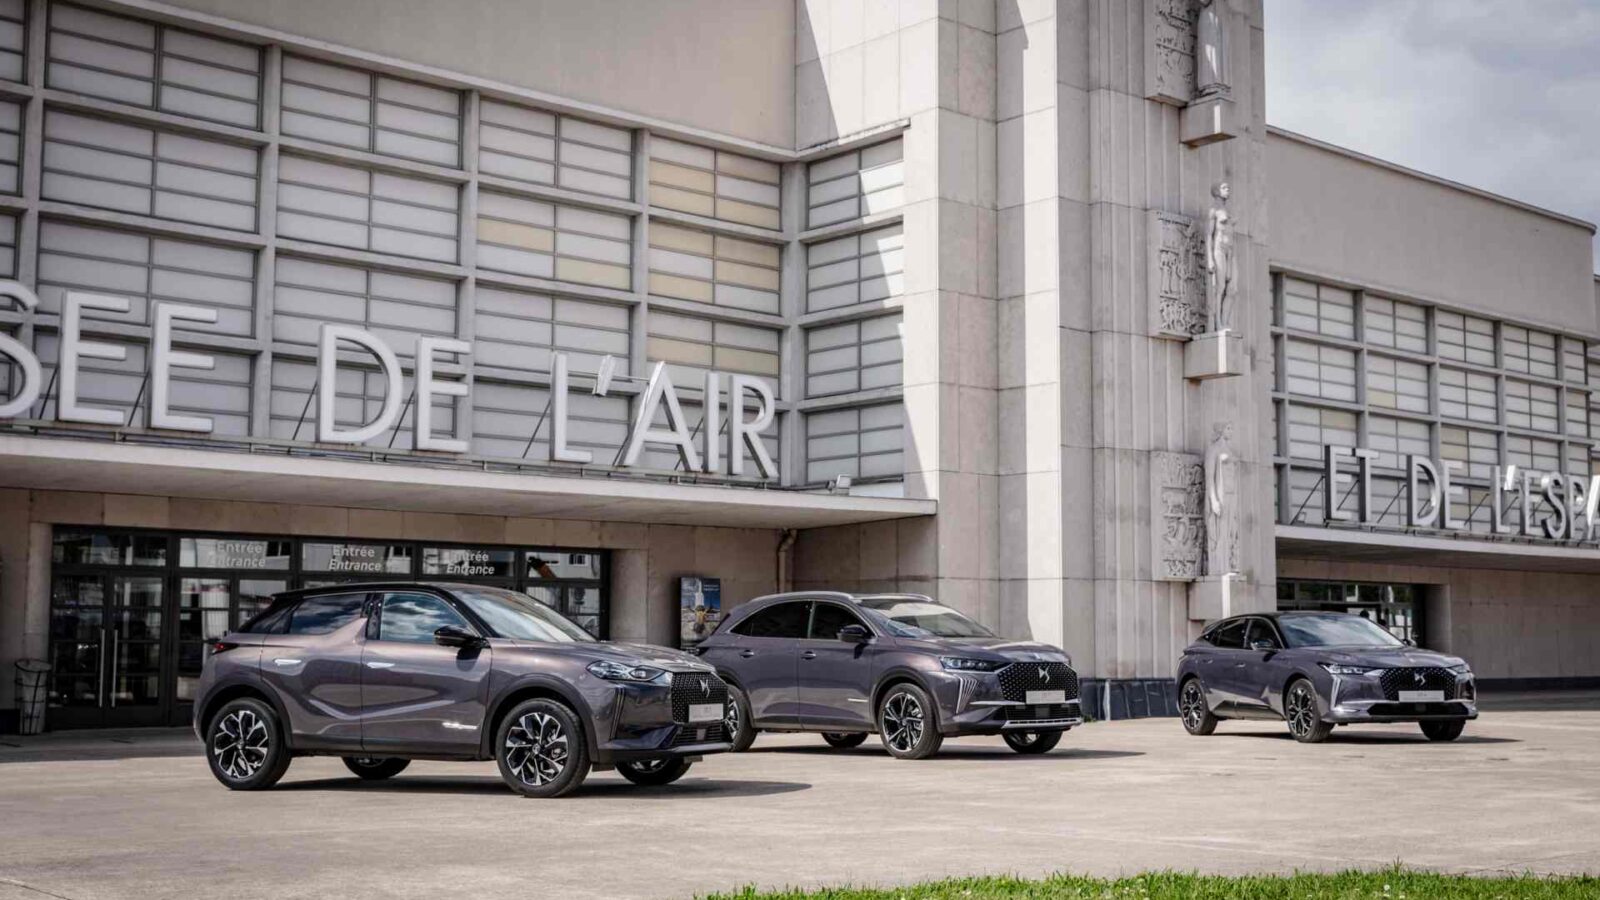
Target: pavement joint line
x: 28, y: 887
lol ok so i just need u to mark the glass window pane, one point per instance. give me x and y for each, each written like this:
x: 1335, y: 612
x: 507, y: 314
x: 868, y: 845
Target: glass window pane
x: 211, y: 593
x: 321, y: 615
x: 233, y: 553
x: 546, y: 565
x: 413, y: 618
x: 359, y: 559
x: 828, y: 619
x: 468, y: 562
x: 785, y: 620
x: 91, y: 548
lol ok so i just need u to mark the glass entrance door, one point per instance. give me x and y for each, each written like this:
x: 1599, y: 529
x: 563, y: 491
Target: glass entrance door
x: 109, y: 636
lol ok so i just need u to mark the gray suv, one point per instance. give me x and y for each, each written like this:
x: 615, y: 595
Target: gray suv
x: 381, y: 674
x: 901, y: 665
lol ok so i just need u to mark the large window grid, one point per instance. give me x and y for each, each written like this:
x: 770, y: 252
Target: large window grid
x: 208, y: 174
x: 1362, y: 374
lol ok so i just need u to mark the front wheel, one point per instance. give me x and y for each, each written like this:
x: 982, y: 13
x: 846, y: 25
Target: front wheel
x: 245, y: 746
x: 1303, y: 711
x: 1031, y: 742
x: 1195, y: 712
x: 376, y: 768
x: 1445, y: 730
x: 540, y: 749
x: 908, y: 723
x: 654, y: 772
x: 736, y: 720
x: 844, y: 740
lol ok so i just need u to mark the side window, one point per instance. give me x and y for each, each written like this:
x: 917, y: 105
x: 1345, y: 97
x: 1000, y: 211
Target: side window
x: 413, y: 618
x: 321, y: 615
x: 828, y: 619
x: 1262, y: 630
x: 271, y: 620
x: 786, y: 620
x: 1229, y: 635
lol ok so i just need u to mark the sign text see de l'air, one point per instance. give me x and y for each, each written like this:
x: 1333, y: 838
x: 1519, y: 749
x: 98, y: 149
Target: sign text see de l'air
x: 659, y: 393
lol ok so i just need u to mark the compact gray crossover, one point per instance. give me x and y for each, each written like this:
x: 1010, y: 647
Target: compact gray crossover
x: 382, y: 674
x: 901, y: 665
x: 1316, y: 670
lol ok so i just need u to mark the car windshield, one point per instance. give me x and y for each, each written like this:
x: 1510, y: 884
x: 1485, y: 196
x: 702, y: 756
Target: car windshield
x: 514, y: 615
x: 924, y: 618
x: 1335, y: 630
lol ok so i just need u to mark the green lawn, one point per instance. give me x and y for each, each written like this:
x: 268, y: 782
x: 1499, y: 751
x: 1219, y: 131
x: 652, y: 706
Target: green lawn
x: 1390, y: 884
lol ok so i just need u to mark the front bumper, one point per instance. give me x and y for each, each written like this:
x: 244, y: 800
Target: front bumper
x: 651, y: 721
x: 975, y: 703
x: 1362, y: 698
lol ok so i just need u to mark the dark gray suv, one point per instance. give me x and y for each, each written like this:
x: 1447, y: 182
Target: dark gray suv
x: 1315, y: 670
x: 901, y: 665
x: 381, y: 674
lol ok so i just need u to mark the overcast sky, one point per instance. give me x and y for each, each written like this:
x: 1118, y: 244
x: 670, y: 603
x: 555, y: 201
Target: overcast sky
x: 1503, y: 95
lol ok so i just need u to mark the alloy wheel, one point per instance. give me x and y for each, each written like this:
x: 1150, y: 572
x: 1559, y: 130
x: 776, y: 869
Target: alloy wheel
x: 1192, y: 705
x: 1302, y: 710
x: 241, y: 743
x: 902, y: 721
x: 730, y: 719
x: 536, y: 749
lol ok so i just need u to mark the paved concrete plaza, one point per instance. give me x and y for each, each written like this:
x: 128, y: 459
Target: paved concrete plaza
x: 139, y: 816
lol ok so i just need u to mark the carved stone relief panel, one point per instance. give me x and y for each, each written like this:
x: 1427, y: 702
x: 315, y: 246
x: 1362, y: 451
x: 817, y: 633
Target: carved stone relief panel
x: 1177, y: 516
x: 1169, y: 41
x: 1176, y: 251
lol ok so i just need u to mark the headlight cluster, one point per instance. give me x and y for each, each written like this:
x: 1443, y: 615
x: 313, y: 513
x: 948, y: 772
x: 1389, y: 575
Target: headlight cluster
x: 1462, y: 669
x: 965, y: 664
x: 1334, y: 669
x: 615, y: 671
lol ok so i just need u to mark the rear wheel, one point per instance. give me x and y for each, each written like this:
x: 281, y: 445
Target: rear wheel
x: 654, y: 772
x: 1030, y: 742
x: 245, y: 745
x: 1303, y: 712
x: 541, y: 750
x: 376, y: 768
x: 736, y: 720
x: 844, y: 740
x: 1192, y: 707
x: 1446, y: 730
x: 908, y: 723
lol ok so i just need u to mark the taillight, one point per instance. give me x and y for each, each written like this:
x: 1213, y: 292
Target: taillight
x: 221, y: 647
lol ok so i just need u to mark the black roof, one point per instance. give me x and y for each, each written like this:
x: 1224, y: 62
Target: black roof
x: 371, y: 586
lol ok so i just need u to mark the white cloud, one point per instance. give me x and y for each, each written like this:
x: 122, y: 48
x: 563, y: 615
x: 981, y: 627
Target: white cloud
x: 1503, y: 95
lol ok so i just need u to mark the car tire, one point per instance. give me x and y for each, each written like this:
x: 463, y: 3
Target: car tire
x: 844, y: 740
x: 909, y: 723
x: 1443, y: 730
x: 375, y: 768
x: 541, y: 749
x: 1302, y: 711
x: 245, y: 745
x: 1029, y: 743
x: 1196, y: 714
x: 736, y: 720
x: 654, y: 772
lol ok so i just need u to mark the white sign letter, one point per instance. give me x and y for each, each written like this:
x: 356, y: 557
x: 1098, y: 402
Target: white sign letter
x: 748, y: 434
x: 677, y: 431
x: 74, y: 348
x: 32, y: 378
x: 163, y: 358
x: 559, y: 451
x: 712, y: 425
x: 327, y: 388
x: 1419, y: 465
x: 427, y: 387
x: 1449, y: 490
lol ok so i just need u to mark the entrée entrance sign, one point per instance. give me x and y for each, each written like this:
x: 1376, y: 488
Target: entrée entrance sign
x: 659, y: 394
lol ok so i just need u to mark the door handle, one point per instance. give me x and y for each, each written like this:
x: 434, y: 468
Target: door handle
x: 747, y: 653
x: 380, y: 665
x: 286, y: 661
x: 1238, y: 665
x: 809, y: 654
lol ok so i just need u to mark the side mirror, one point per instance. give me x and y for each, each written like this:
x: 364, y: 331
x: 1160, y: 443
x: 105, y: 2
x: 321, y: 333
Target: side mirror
x: 1263, y: 645
x: 855, y: 634
x: 452, y: 636
x: 1409, y: 642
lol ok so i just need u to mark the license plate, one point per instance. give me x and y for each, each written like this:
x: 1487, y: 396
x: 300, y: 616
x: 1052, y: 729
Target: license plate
x: 1422, y: 696
x: 1039, y: 698
x: 705, y: 712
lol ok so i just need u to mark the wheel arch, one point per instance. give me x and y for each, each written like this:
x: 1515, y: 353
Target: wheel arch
x: 899, y: 675
x: 530, y: 689
x: 226, y: 693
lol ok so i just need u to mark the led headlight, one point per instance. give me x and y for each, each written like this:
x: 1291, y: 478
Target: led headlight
x: 963, y: 664
x: 1346, y: 670
x: 1462, y: 669
x: 615, y: 671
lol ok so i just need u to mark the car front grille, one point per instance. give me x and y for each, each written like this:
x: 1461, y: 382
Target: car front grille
x: 1017, y: 679
x: 696, y: 688
x: 1041, y: 712
x: 701, y: 734
x: 1425, y: 678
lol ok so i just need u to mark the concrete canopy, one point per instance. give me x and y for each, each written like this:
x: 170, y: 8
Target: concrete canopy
x: 76, y: 465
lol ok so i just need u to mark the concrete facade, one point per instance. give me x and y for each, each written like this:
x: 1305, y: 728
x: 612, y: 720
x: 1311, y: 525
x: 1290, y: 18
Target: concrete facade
x: 935, y: 229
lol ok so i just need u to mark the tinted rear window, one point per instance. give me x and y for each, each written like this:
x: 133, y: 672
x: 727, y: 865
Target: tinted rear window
x: 272, y: 620
x: 1229, y: 635
x: 321, y: 615
x: 786, y: 620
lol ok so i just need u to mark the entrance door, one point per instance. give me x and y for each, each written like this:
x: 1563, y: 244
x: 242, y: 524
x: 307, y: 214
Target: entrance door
x: 108, y: 635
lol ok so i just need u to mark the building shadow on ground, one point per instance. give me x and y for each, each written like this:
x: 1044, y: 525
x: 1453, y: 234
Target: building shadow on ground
x: 1373, y: 738
x: 471, y: 784
x: 954, y: 752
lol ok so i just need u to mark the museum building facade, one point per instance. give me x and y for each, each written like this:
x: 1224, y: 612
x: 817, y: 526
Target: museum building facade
x: 1018, y: 304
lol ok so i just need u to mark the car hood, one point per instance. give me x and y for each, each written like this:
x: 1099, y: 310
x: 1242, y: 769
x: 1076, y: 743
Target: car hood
x: 1382, y: 657
x: 988, y: 648
x: 625, y: 653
